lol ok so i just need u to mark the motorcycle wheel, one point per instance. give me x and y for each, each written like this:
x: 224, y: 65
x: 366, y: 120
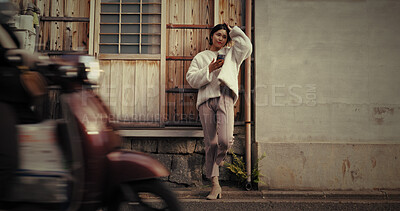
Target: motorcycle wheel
x: 149, y: 194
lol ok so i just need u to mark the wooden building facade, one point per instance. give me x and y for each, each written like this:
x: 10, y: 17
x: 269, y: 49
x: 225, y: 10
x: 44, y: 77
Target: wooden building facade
x: 144, y: 47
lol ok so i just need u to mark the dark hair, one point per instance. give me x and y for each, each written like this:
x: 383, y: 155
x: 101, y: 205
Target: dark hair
x: 217, y: 28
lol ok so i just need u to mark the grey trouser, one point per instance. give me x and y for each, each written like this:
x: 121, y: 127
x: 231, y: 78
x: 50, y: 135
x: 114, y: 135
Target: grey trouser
x: 217, y: 119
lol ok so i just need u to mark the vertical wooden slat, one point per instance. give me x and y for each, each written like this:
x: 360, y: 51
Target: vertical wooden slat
x: 174, y: 68
x: 56, y: 34
x: 83, y: 33
x: 191, y: 16
x: 163, y: 63
x: 222, y: 11
x: 178, y: 83
x: 206, y: 18
x: 91, y: 27
x: 239, y: 5
x: 41, y: 4
x: 77, y: 28
x: 167, y: 9
x: 152, y: 91
x: 69, y: 30
x: 232, y: 12
x: 44, y: 37
x: 128, y: 91
x: 169, y: 64
x: 177, y: 13
x: 96, y: 39
x: 216, y: 12
x: 140, y: 87
x: 189, y: 36
x: 116, y: 87
x: 104, y: 83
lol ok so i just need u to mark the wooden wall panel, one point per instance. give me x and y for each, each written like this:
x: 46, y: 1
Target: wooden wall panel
x: 229, y: 11
x: 131, y: 89
x: 190, y: 48
x: 63, y: 36
x: 174, y: 70
x: 203, y: 12
x: 183, y: 42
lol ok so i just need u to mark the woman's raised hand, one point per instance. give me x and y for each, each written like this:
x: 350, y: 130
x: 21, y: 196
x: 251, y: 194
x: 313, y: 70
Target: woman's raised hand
x: 229, y: 27
x: 215, y: 64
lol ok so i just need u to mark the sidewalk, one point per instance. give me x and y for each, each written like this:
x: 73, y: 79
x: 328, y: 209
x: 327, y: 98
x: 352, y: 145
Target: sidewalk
x: 237, y: 199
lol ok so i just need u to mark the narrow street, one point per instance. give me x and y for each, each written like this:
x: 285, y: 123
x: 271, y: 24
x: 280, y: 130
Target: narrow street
x: 234, y: 199
x: 193, y: 199
x: 289, y: 204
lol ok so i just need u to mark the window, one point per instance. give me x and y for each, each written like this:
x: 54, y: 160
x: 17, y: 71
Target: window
x: 130, y: 27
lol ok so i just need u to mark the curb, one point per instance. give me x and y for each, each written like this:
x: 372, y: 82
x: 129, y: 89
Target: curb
x: 201, y: 193
x: 364, y: 195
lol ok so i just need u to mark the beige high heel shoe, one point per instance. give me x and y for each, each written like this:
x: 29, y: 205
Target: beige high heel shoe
x: 216, y: 191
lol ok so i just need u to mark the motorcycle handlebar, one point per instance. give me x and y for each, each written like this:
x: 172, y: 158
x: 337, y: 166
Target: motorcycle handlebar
x: 64, y: 70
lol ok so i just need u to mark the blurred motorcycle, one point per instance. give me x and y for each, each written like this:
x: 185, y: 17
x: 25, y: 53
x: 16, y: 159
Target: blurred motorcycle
x: 74, y: 162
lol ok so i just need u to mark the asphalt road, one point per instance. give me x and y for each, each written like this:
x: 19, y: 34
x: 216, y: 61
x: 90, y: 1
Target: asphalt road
x: 288, y: 204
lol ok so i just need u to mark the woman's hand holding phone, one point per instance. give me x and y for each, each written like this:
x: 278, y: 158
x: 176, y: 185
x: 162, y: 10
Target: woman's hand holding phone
x: 215, y: 64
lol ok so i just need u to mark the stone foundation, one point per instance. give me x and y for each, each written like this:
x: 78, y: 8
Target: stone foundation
x: 184, y: 157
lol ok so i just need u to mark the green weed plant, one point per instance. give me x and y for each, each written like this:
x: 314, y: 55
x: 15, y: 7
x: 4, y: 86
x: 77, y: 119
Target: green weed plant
x: 238, y: 168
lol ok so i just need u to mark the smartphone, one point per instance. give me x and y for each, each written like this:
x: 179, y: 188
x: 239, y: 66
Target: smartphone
x: 220, y: 56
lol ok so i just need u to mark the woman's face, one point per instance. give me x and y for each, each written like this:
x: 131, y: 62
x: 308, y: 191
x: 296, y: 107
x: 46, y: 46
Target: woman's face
x: 219, y: 38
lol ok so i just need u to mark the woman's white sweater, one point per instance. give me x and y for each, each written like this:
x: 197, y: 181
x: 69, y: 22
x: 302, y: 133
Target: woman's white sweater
x: 199, y: 77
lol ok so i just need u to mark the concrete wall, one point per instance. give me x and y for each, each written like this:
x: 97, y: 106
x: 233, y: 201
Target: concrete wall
x: 327, y: 89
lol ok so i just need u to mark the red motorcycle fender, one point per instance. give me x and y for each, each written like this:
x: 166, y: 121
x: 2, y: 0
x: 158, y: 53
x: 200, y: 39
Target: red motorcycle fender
x: 127, y: 166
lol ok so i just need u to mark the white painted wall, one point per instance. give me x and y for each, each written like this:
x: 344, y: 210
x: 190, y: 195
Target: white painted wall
x: 328, y: 74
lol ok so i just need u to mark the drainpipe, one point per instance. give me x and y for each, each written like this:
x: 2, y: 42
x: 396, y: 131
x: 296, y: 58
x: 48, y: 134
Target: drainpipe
x: 248, y: 99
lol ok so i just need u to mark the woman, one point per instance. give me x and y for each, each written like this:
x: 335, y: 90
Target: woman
x: 217, y: 81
